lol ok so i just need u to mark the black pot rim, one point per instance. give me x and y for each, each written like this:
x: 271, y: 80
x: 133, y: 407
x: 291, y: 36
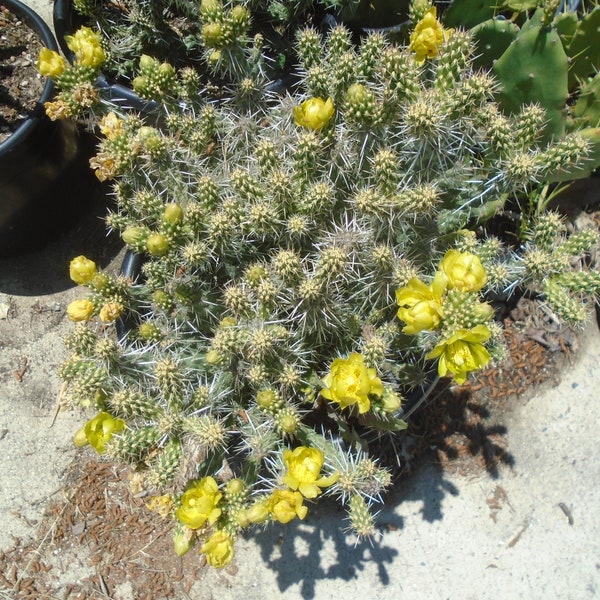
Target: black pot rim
x: 63, y: 25
x: 35, y: 22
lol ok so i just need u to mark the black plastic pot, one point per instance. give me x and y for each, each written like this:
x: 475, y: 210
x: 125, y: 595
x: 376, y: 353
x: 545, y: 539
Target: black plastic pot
x: 43, y: 175
x: 131, y: 268
x: 388, y: 17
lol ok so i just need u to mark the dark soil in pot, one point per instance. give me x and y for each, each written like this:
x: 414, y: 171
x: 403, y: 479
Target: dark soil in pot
x: 21, y: 85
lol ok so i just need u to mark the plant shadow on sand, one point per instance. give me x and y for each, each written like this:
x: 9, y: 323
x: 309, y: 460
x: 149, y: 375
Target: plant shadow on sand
x: 450, y: 435
x: 320, y: 549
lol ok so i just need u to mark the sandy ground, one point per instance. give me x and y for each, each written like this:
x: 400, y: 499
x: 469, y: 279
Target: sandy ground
x: 532, y: 532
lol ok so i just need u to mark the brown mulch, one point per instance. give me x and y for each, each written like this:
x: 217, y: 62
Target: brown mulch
x: 20, y: 83
x: 103, y: 525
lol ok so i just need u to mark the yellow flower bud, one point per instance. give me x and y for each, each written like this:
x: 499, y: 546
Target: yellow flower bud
x: 288, y: 422
x: 148, y: 331
x: 140, y: 83
x: 391, y: 401
x: 147, y: 62
x: 212, y: 35
x: 157, y: 244
x: 258, y: 512
x: 240, y: 15
x: 266, y: 399
x: 356, y: 93
x: 50, y: 63
x: 218, y: 549
x: 463, y: 271
x: 213, y: 358
x: 210, y: 6
x: 100, y: 282
x: 79, y: 439
x: 314, y: 113
x: 235, y: 486
x: 172, y: 213
x: 166, y: 70
x: 134, y: 235
x: 350, y: 382
x: 183, y: 540
x: 150, y: 137
x: 241, y: 518
x: 80, y: 310
x: 483, y: 311
x: 87, y: 47
x: 82, y: 270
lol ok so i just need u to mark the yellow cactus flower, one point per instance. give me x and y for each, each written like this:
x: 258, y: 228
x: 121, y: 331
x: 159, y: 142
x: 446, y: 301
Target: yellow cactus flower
x: 463, y: 271
x: 350, y: 382
x: 50, y: 63
x: 314, y: 113
x: 82, y: 270
x: 462, y: 352
x: 199, y: 503
x: 218, y: 549
x: 427, y: 36
x: 303, y: 470
x: 111, y: 311
x: 285, y: 505
x: 80, y: 310
x: 98, y: 431
x: 111, y: 126
x: 421, y: 304
x: 87, y: 47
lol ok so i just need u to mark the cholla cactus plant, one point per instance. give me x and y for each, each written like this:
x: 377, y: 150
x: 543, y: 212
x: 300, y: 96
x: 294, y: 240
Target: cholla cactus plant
x: 305, y: 267
x: 211, y: 34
